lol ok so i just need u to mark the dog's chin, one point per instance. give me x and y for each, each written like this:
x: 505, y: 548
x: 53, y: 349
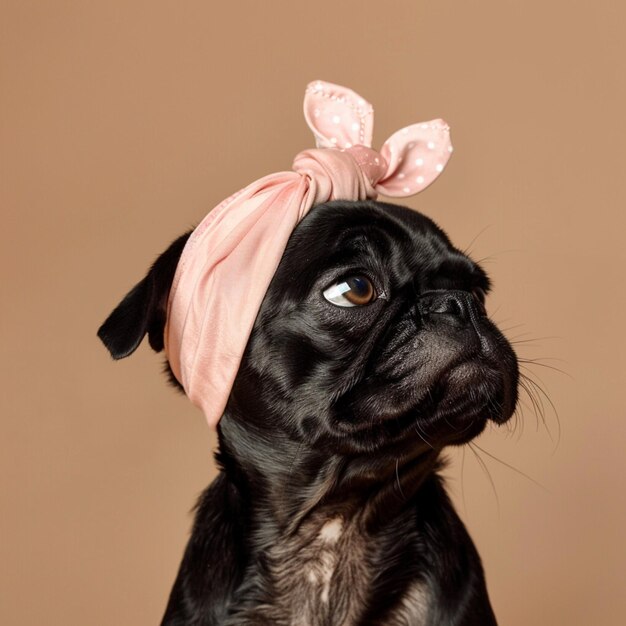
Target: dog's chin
x: 466, y: 399
x: 452, y: 411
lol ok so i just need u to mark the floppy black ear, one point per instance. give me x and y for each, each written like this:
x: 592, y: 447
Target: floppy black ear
x: 143, y: 310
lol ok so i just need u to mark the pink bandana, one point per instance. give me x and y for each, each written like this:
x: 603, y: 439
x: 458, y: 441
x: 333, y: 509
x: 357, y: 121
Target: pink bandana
x: 230, y: 258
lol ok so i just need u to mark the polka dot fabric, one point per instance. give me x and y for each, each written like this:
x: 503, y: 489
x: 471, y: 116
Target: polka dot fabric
x: 230, y: 258
x: 412, y: 157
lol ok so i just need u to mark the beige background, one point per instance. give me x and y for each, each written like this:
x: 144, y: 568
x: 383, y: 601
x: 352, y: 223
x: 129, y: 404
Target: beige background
x: 123, y: 121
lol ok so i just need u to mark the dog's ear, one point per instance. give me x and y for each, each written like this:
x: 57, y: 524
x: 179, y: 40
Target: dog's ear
x: 143, y: 310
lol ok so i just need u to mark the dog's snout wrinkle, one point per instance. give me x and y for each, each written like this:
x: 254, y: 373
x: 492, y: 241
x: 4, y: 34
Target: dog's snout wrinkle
x: 458, y: 305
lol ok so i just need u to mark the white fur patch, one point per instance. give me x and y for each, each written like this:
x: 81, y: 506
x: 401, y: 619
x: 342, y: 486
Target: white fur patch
x: 327, y: 568
x: 331, y: 530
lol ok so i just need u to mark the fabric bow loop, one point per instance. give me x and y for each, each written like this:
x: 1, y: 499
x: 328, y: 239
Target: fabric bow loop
x: 409, y: 161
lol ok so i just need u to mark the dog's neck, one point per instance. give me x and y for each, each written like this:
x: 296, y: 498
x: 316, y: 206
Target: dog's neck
x: 285, y: 481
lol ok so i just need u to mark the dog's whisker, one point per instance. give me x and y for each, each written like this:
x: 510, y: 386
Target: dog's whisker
x: 537, y: 405
x: 468, y: 249
x: 487, y: 473
x: 486, y: 259
x: 495, y: 311
x: 511, y: 467
x: 398, y: 480
x: 524, y: 361
x: 493, y: 256
x: 418, y: 430
x: 517, y: 339
x: 515, y: 426
x: 533, y: 408
x: 462, y: 480
x: 506, y: 320
x: 507, y: 329
x: 522, y: 339
x: 468, y: 427
x: 452, y: 426
x: 540, y: 393
x: 536, y: 394
x: 533, y: 390
x: 533, y: 387
x: 519, y: 422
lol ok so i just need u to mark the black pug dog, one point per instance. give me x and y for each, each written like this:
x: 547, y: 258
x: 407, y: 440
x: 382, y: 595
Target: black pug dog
x: 372, y: 352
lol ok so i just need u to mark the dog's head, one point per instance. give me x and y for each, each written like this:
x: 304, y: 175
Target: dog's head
x: 373, y: 332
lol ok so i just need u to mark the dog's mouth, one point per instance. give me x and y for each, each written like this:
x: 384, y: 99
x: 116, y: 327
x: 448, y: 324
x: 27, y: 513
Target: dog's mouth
x: 452, y: 410
x: 481, y: 389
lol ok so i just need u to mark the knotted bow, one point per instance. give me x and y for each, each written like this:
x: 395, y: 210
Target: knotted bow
x: 230, y: 258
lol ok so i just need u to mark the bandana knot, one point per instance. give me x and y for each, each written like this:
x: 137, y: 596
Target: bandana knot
x: 349, y: 174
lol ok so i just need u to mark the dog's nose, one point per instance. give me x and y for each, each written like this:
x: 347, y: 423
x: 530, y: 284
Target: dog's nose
x: 457, y: 307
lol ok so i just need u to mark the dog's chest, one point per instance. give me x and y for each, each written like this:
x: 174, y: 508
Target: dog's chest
x: 323, y: 577
x: 320, y: 576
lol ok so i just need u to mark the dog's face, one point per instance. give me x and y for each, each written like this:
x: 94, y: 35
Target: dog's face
x: 373, y: 332
x: 372, y: 335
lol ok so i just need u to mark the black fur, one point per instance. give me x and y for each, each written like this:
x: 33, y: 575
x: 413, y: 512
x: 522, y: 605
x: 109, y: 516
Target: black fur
x: 328, y: 508
x: 143, y: 309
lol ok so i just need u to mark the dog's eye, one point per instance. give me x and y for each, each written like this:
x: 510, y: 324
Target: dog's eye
x: 352, y: 291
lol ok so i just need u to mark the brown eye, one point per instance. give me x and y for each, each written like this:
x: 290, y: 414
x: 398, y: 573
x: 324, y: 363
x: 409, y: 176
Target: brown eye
x: 352, y: 291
